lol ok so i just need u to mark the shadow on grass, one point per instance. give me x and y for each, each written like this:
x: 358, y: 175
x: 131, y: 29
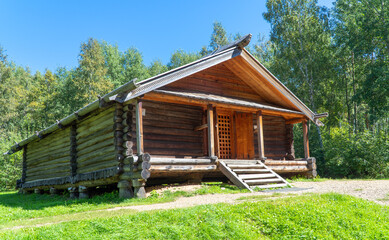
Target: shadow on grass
x: 40, y: 201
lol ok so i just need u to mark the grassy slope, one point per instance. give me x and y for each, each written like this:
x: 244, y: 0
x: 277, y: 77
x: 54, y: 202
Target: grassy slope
x: 327, y: 216
x: 16, y: 209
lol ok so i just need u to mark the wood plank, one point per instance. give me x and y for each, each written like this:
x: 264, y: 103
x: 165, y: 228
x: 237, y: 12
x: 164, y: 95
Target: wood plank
x: 233, y: 177
x: 256, y: 176
x: 211, y: 136
x: 183, y: 168
x: 261, y: 145
x: 263, y: 181
x: 306, y: 139
x: 139, y: 128
x: 201, y: 127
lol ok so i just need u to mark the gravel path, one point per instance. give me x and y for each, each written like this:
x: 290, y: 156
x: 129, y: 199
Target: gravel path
x: 372, y: 190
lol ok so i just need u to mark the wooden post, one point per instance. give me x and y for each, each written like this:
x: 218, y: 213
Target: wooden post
x: 261, y: 145
x: 306, y: 140
x: 211, y: 135
x: 139, y: 128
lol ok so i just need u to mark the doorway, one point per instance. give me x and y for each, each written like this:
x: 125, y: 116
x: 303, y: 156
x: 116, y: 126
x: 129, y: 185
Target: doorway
x: 234, y: 135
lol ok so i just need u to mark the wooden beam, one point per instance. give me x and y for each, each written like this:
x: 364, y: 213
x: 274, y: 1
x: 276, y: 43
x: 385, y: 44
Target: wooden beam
x: 201, y: 127
x: 306, y: 140
x: 294, y: 121
x: 211, y: 134
x: 139, y: 127
x: 261, y: 146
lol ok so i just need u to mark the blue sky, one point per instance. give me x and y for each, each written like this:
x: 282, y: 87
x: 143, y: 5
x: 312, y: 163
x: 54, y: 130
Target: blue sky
x: 47, y: 34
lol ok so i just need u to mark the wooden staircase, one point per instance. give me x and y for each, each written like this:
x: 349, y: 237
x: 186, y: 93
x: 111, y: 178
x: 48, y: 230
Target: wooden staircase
x: 251, y: 174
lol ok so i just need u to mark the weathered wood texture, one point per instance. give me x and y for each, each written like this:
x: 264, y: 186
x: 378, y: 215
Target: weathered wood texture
x: 168, y: 129
x: 275, y: 138
x: 95, y: 142
x: 49, y: 157
x: 217, y: 80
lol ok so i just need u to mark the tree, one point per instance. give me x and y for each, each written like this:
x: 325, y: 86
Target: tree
x: 133, y: 65
x: 91, y: 79
x: 300, y: 33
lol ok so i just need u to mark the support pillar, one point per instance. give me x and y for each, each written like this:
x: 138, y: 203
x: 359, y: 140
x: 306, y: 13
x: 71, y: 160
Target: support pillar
x: 83, y: 192
x: 305, y: 137
x: 73, y: 192
x: 261, y: 145
x: 53, y: 191
x: 139, y: 188
x: 38, y: 191
x: 211, y: 132
x: 125, y: 189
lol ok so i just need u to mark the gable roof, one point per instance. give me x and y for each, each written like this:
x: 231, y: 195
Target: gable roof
x: 235, y: 51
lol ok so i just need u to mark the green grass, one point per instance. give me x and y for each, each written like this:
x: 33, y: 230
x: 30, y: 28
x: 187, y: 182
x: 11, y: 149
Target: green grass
x: 326, y: 216
x: 17, y: 209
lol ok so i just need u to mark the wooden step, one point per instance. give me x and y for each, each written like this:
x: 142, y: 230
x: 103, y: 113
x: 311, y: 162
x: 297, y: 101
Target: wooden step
x: 256, y: 176
x: 248, y: 174
x: 270, y: 186
x: 263, y: 181
x: 235, y: 166
x: 241, y: 162
x: 241, y: 171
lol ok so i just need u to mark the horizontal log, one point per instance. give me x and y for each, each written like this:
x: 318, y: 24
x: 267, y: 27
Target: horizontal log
x: 284, y: 163
x: 50, y: 162
x: 183, y: 168
x: 49, y: 146
x: 54, y: 169
x: 94, y: 138
x: 169, y: 145
x: 97, y: 166
x: 48, y: 158
x: 171, y: 131
x: 178, y: 161
x: 171, y: 106
x: 92, y: 129
x: 167, y: 118
x: 162, y: 137
x: 94, y: 154
x: 106, y: 157
x: 95, y: 146
x: 47, y: 176
x: 289, y: 169
x: 97, y: 114
x: 174, y: 152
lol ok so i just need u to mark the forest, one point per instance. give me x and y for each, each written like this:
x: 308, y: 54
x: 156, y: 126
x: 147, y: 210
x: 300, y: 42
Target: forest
x: 335, y: 60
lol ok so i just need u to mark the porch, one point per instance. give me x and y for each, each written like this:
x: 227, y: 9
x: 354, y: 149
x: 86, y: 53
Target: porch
x: 188, y: 134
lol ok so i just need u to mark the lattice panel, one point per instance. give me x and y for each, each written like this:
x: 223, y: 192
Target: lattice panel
x: 224, y: 126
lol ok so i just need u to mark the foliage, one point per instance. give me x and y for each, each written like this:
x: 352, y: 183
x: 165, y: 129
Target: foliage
x: 338, y: 217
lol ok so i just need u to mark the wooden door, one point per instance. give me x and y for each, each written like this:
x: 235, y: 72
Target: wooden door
x: 244, y: 135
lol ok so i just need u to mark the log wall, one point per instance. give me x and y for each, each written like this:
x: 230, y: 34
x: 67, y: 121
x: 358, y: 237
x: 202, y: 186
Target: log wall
x: 168, y: 129
x: 275, y: 137
x: 95, y: 142
x: 49, y: 157
x: 217, y: 80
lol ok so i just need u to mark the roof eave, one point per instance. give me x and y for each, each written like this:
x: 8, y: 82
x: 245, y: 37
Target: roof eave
x: 281, y: 87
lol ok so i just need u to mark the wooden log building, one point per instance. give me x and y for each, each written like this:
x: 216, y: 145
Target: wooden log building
x: 222, y: 115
